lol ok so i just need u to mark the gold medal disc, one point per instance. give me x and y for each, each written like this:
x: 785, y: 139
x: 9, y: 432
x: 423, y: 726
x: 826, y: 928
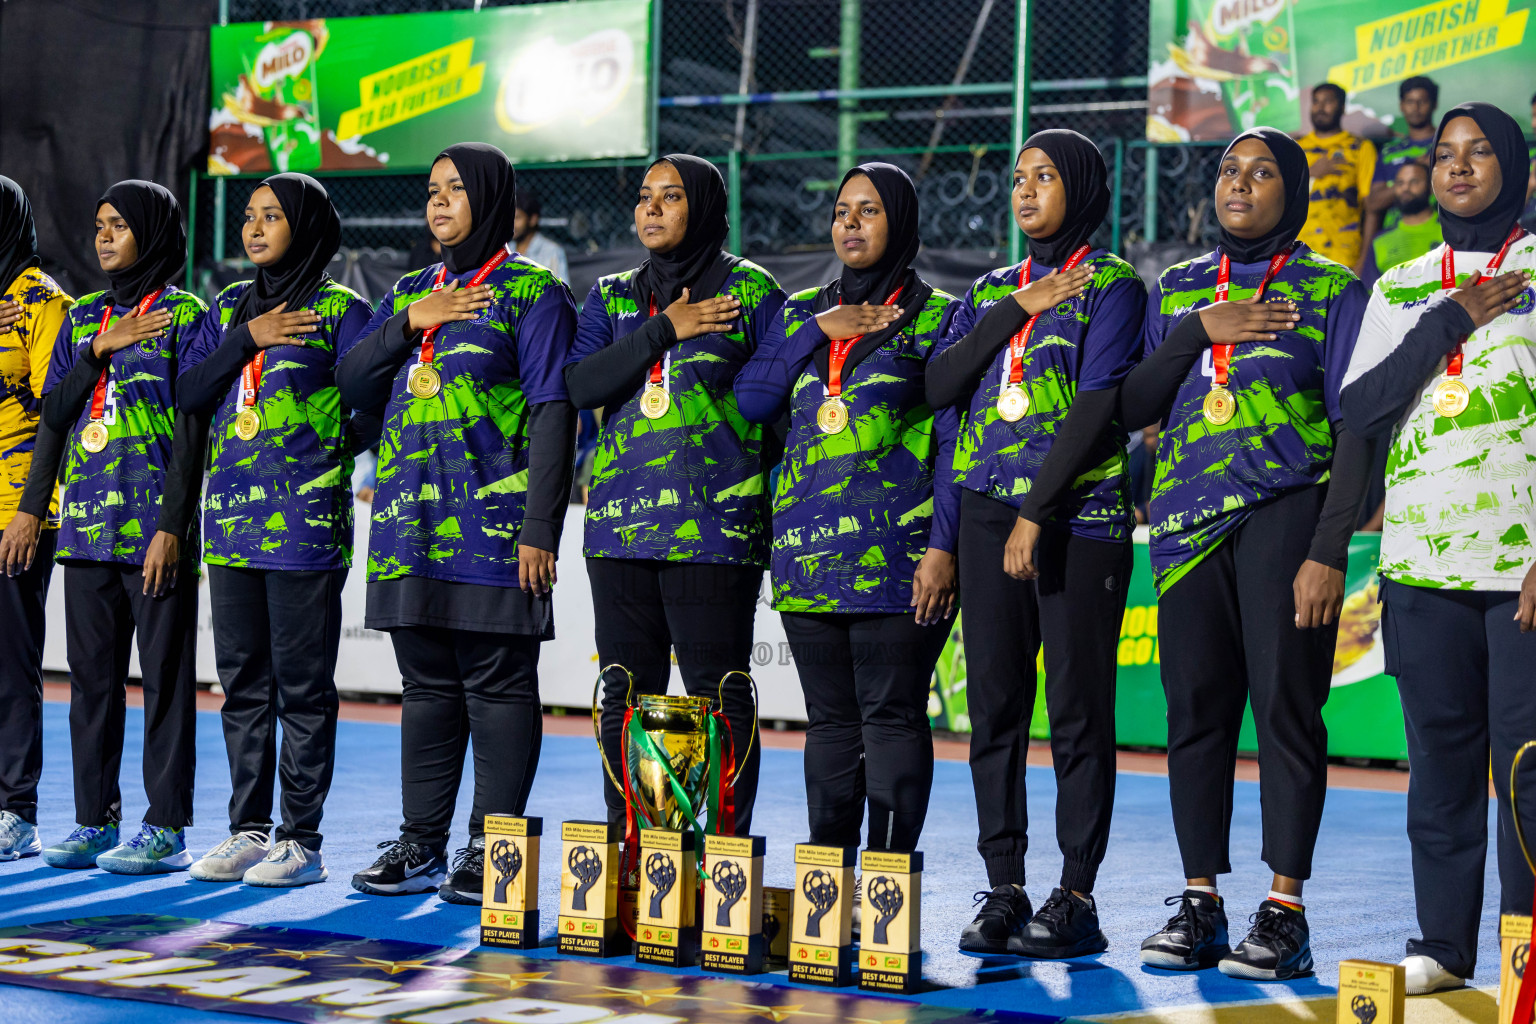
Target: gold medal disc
x: 1220, y: 406
x: 1451, y: 397
x: 247, y: 424
x: 94, y: 437
x: 654, y: 401
x: 424, y: 381
x: 1013, y: 403
x: 832, y: 416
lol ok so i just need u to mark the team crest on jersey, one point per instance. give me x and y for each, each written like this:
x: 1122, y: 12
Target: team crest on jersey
x: 1066, y: 310
x: 1524, y: 303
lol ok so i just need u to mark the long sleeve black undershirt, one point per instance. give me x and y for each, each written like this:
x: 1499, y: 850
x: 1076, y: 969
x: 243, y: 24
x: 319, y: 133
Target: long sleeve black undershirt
x: 952, y: 375
x: 609, y: 376
x: 1148, y: 391
x: 203, y: 387
x: 43, y: 476
x: 366, y: 376
x: 1377, y: 400
x: 62, y: 405
x: 1348, y: 480
x: 551, y: 465
x: 1086, y: 421
x: 184, y: 476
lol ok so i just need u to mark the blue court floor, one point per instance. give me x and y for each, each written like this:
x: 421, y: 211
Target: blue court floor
x: 1359, y: 902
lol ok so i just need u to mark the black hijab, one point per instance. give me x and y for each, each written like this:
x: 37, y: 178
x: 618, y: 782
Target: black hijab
x: 18, y: 234
x: 299, y: 272
x: 1296, y: 180
x: 154, y: 217
x: 491, y: 185
x: 1486, y: 231
x: 695, y: 262
x: 1086, y: 180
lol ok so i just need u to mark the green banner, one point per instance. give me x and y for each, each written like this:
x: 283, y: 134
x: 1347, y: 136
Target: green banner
x: 1363, y: 715
x: 545, y: 82
x: 1219, y: 67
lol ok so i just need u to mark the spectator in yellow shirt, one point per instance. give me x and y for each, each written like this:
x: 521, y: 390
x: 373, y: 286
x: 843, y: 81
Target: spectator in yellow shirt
x: 1342, y: 167
x: 32, y: 310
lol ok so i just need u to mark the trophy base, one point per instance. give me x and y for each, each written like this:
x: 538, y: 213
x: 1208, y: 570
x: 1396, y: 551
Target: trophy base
x: 831, y: 966
x: 1514, y: 951
x: 731, y: 954
x: 591, y: 936
x: 1371, y: 991
x: 666, y: 947
x: 880, y: 971
x: 509, y: 929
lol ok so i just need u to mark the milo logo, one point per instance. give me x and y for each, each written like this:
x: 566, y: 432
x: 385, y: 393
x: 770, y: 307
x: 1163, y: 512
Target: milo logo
x: 1229, y: 17
x: 282, y: 58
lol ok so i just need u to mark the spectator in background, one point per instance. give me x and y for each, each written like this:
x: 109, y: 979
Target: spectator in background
x: 1341, y: 167
x: 425, y: 251
x: 1142, y: 466
x: 1417, y: 98
x: 527, y: 240
x: 1418, y: 225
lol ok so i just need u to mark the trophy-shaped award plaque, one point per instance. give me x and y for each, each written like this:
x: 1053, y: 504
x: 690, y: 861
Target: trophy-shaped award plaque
x: 732, y: 940
x: 509, y: 904
x: 589, y: 890
x: 777, y: 905
x: 1370, y: 992
x: 1517, y: 992
x: 666, y: 926
x: 821, y: 929
x: 890, y: 939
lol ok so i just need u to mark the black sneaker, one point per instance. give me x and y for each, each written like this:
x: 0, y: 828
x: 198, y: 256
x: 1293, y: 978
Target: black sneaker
x: 1066, y: 925
x: 1277, y: 948
x: 1193, y: 939
x: 1003, y: 912
x: 402, y: 869
x: 467, y: 880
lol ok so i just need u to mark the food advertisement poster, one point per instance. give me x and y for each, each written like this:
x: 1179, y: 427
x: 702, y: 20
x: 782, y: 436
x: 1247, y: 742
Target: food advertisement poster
x: 545, y: 82
x: 1220, y: 67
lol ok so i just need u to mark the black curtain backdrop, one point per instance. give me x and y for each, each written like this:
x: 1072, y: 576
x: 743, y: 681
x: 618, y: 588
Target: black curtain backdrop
x: 91, y: 92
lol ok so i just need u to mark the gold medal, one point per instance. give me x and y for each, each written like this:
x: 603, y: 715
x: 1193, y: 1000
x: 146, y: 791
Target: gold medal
x: 94, y: 437
x: 1451, y: 397
x: 654, y: 401
x: 1220, y: 406
x: 1013, y: 403
x: 424, y: 381
x: 832, y: 416
x: 247, y: 424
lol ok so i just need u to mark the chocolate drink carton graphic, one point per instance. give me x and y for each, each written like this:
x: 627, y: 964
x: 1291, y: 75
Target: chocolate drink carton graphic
x: 1249, y: 48
x: 278, y: 91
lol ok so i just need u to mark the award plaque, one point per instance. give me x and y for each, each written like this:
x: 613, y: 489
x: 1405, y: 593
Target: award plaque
x: 1514, y: 951
x: 821, y: 928
x: 1370, y: 992
x: 890, y: 940
x: 589, y: 890
x: 777, y: 904
x: 666, y: 914
x: 509, y: 906
x: 732, y: 911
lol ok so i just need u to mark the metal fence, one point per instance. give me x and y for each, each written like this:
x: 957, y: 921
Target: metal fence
x: 785, y: 94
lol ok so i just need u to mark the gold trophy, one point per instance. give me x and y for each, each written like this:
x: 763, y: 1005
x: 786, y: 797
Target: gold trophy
x: 588, y: 924
x: 509, y: 907
x: 821, y: 932
x: 666, y: 917
x: 733, y: 905
x: 891, y: 944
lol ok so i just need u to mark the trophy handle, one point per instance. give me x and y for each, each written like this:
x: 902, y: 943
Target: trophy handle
x: 720, y: 698
x: 1514, y: 805
x: 597, y: 717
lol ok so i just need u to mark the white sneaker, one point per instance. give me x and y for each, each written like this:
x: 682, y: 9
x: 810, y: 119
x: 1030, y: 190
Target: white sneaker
x: 18, y: 837
x: 1425, y: 975
x: 288, y: 864
x: 229, y: 861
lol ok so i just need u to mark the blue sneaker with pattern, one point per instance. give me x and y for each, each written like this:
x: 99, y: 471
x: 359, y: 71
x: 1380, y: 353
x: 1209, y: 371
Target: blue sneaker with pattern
x: 82, y: 846
x: 18, y: 837
x: 153, y: 851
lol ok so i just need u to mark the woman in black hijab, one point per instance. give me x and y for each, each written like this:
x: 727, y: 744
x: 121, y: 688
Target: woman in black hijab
x: 1032, y: 362
x: 864, y: 515
x: 32, y: 309
x: 1444, y: 374
x: 1252, y: 508
x: 279, y: 524
x: 677, y: 516
x: 462, y: 359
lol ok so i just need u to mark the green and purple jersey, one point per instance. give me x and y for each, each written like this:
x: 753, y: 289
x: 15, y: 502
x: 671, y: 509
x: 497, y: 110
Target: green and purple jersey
x: 110, y: 503
x: 690, y: 485
x: 1209, y: 476
x: 453, y: 468
x: 1085, y: 344
x: 283, y: 499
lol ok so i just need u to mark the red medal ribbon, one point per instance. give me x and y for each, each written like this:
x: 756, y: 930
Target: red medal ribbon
x: 837, y: 354
x: 1016, y: 346
x: 1448, y: 282
x: 99, y: 396
x: 655, y: 370
x: 250, y: 379
x: 1221, y: 355
x: 496, y: 260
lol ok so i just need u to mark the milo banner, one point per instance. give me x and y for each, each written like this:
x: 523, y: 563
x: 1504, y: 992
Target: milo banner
x: 1219, y: 67
x: 1363, y: 714
x: 545, y: 82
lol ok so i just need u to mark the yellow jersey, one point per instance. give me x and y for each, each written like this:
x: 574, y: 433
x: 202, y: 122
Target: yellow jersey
x: 1336, y: 200
x: 24, y: 353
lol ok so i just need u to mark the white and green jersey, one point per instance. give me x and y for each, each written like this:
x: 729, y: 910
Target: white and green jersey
x: 1461, y: 493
